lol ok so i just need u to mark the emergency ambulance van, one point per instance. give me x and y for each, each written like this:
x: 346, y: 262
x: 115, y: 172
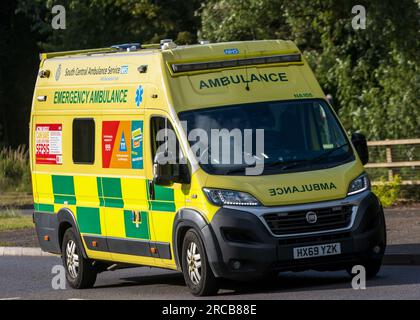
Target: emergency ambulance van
x: 105, y: 197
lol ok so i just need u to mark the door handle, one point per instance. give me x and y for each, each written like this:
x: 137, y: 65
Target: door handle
x: 151, y: 190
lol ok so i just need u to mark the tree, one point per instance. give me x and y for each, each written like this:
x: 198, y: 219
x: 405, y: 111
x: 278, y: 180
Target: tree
x: 373, y: 73
x: 234, y: 20
x: 18, y: 69
x: 101, y: 23
x: 25, y: 31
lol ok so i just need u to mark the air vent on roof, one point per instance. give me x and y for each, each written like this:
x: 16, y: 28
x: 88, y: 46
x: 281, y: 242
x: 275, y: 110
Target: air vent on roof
x: 199, y: 66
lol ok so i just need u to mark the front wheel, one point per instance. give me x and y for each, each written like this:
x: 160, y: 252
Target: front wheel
x: 80, y: 272
x: 197, y: 272
x: 372, y: 268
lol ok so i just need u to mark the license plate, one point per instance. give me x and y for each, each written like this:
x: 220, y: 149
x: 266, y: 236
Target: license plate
x: 321, y: 250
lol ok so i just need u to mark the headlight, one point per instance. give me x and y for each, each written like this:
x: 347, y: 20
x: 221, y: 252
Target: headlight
x: 220, y: 197
x: 360, y: 184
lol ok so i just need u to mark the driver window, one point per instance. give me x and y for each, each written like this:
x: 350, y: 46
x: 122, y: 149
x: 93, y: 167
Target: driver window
x: 159, y: 127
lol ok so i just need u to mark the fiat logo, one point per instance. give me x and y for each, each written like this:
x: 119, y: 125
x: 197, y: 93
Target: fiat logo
x: 311, y: 217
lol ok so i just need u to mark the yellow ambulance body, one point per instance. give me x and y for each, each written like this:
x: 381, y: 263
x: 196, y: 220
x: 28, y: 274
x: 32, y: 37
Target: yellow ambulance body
x: 99, y: 203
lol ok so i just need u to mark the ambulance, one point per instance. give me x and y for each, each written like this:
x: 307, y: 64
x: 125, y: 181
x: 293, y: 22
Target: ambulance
x: 111, y: 191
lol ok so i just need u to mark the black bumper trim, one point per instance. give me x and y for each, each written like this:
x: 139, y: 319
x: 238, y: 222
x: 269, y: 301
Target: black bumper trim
x: 46, y: 225
x: 142, y: 248
x: 259, y: 251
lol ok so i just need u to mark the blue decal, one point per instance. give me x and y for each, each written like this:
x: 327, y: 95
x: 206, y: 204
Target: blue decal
x: 232, y: 51
x: 139, y: 95
x: 137, y: 144
x: 123, y: 144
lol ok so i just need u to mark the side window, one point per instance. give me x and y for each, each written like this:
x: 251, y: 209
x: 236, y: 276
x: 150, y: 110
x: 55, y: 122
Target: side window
x: 157, y: 124
x: 83, y: 141
x: 329, y: 132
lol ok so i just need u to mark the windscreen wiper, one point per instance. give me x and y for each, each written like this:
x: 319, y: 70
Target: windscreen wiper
x: 236, y: 170
x: 289, y: 164
x: 315, y: 159
x: 284, y: 163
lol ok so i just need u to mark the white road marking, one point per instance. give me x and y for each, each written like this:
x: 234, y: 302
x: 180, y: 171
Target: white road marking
x: 12, y: 298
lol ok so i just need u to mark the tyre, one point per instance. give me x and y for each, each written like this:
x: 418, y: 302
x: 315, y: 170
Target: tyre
x: 271, y: 276
x: 372, y: 268
x: 197, y: 272
x: 80, y: 272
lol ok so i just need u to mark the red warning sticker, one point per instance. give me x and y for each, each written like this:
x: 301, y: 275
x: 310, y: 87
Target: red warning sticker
x: 49, y: 144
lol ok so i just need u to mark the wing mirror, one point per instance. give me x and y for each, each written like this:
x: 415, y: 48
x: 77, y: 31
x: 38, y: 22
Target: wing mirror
x: 167, y: 171
x: 360, y: 144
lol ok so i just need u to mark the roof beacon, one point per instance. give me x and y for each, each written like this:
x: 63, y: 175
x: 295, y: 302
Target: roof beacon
x: 167, y: 44
x: 127, y: 47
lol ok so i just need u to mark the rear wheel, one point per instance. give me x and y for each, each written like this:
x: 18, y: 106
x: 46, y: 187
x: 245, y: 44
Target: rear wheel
x: 197, y: 272
x: 80, y: 272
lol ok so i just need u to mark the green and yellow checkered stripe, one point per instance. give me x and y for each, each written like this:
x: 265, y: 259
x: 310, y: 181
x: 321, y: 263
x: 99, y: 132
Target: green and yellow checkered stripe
x: 86, y: 195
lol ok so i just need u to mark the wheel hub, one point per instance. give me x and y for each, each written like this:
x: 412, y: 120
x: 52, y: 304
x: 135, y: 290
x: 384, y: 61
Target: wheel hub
x: 72, y: 259
x: 194, y: 263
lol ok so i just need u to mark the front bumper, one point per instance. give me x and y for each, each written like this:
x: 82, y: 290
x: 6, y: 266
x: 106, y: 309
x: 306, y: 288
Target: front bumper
x: 241, y: 235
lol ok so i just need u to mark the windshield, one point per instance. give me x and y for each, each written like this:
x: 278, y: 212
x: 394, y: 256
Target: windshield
x: 287, y: 136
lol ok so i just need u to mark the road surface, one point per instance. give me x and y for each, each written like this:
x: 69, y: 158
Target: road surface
x: 31, y: 278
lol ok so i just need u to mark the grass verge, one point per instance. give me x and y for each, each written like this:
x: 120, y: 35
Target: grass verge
x: 11, y: 219
x: 16, y: 200
x: 15, y: 175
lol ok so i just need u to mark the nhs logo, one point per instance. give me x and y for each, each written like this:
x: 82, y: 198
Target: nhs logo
x: 124, y: 69
x: 231, y: 51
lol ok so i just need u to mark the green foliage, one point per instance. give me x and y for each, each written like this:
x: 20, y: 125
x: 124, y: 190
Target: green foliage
x: 233, y: 20
x: 373, y: 74
x: 9, y: 213
x: 10, y: 219
x: 101, y: 23
x: 18, y: 68
x: 388, y: 191
x: 14, y: 170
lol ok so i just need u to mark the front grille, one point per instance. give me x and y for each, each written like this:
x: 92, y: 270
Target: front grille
x: 295, y: 222
x: 314, y: 239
